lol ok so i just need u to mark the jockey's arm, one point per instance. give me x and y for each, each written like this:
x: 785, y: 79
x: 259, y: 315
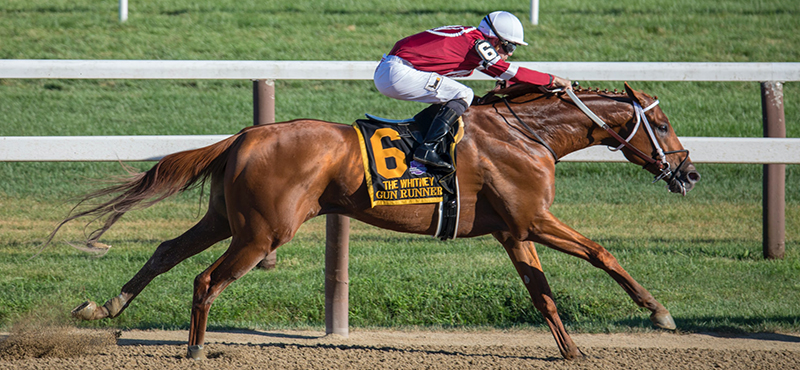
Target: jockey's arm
x: 526, y: 75
x: 516, y: 74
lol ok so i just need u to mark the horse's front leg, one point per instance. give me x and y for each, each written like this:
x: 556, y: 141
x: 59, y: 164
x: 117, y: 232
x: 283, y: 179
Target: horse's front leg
x: 550, y: 231
x: 529, y: 268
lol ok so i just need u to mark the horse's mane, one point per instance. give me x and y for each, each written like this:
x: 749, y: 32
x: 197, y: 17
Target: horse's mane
x: 521, y: 89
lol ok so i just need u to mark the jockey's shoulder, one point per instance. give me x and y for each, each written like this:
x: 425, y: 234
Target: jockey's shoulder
x: 452, y: 31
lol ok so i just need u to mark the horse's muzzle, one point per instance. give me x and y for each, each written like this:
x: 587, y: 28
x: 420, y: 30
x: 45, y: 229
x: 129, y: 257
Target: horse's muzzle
x: 683, y: 181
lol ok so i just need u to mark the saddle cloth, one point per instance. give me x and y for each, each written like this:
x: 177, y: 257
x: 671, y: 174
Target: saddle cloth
x: 394, y: 178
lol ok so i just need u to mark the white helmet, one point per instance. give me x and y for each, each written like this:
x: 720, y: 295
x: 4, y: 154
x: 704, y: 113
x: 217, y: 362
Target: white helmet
x: 503, y: 25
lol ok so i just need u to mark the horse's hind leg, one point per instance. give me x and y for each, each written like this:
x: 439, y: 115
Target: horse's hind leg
x: 553, y: 233
x: 210, y: 230
x: 240, y: 258
x: 529, y: 268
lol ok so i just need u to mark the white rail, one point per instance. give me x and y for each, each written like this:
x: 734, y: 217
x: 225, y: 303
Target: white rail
x: 139, y: 148
x: 98, y: 148
x: 362, y: 70
x: 713, y: 150
x: 152, y: 148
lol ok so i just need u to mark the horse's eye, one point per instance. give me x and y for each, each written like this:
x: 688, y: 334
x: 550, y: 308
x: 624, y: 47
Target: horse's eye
x: 663, y: 128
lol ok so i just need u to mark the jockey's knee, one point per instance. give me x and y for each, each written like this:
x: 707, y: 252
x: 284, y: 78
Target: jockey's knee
x: 465, y: 97
x: 458, y: 105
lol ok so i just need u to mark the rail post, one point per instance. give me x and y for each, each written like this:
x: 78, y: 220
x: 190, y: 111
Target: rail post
x: 264, y: 114
x: 534, y: 12
x: 123, y: 10
x: 337, y: 229
x: 337, y: 279
x: 263, y: 102
x: 774, y: 177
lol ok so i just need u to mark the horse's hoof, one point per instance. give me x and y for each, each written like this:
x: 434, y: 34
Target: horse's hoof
x: 574, y: 355
x: 196, y: 352
x: 85, y: 311
x: 114, y: 306
x: 663, y: 321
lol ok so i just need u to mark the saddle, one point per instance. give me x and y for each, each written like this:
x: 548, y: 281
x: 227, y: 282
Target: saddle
x: 416, y: 127
x: 394, y: 178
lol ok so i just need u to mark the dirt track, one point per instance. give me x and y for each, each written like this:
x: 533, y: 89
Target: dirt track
x: 404, y: 350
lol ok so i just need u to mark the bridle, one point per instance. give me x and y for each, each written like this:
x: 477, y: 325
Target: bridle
x: 660, y: 159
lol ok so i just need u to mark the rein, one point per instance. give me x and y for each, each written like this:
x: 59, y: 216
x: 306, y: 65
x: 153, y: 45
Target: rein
x: 538, y: 138
x: 639, y: 113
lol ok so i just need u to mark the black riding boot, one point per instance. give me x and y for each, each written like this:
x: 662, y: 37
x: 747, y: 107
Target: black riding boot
x: 427, y: 153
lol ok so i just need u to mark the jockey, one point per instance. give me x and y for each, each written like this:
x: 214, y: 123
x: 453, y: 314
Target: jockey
x: 419, y: 68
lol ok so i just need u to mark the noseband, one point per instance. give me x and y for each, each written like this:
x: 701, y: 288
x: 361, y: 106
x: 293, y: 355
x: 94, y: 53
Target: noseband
x: 660, y: 160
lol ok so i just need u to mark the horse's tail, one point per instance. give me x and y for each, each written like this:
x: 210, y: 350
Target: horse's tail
x: 172, y: 174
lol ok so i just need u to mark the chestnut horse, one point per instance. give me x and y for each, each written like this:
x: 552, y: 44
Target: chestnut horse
x: 268, y: 180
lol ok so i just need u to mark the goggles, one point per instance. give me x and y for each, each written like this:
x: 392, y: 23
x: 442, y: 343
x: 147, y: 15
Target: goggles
x: 508, y: 47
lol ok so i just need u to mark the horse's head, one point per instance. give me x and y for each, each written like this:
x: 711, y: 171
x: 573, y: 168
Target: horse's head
x: 646, y: 138
x: 655, y: 146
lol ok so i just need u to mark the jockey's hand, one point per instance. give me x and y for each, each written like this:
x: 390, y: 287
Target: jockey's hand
x: 559, y: 82
x: 501, y: 84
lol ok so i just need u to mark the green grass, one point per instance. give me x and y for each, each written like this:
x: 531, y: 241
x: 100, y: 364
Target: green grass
x: 699, y: 255
x: 710, y: 276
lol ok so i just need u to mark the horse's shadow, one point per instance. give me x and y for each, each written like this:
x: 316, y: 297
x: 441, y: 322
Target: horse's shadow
x: 329, y: 346
x: 157, y: 342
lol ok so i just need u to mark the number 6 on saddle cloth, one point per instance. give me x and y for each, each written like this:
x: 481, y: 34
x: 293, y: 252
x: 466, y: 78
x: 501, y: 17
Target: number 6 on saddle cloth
x: 394, y: 178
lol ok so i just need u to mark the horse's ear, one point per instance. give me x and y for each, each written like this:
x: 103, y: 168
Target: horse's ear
x: 635, y: 95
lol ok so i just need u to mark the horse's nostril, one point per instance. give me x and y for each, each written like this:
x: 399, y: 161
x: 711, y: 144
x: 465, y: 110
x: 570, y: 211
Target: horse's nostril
x: 693, y: 176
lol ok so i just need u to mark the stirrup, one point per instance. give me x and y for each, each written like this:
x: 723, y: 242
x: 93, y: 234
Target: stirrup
x: 429, y: 157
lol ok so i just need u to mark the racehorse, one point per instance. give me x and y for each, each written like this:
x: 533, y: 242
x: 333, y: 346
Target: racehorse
x: 267, y: 180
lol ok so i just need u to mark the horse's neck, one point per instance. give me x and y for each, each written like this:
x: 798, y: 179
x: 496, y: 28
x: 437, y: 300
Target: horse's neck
x: 578, y: 131
x: 559, y: 122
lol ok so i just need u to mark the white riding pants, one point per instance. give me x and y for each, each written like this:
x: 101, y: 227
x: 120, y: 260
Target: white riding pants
x: 396, y: 78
